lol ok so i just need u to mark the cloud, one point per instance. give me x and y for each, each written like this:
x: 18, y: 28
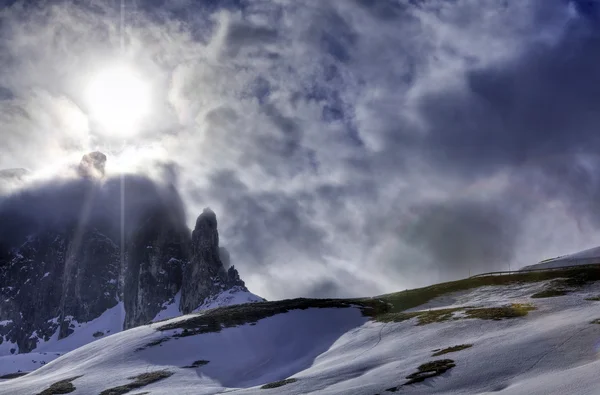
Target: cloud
x: 58, y: 203
x: 348, y: 148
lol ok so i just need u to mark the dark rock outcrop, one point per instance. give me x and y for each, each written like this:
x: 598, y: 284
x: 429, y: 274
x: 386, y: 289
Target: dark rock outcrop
x: 155, y: 258
x: 92, y: 165
x: 67, y: 256
x: 53, y: 279
x: 31, y: 289
x: 205, y: 274
x: 90, y: 280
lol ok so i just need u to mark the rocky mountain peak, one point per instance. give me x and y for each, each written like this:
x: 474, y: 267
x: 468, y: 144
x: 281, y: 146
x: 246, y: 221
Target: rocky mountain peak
x: 92, y: 165
x: 205, y: 274
x: 205, y: 235
x: 57, y: 275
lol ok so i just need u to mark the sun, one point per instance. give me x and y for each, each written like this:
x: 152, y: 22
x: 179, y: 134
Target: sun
x: 118, y: 99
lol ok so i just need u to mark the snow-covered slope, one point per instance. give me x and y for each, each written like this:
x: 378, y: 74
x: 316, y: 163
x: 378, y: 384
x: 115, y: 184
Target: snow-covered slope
x: 586, y: 257
x: 230, y: 297
x: 110, y: 322
x: 549, y: 350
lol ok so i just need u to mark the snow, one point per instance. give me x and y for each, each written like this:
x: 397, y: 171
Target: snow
x: 553, y: 350
x: 229, y: 297
x: 108, y: 323
x: 169, y: 309
x: 46, y: 274
x: 586, y: 257
x: 5, y: 348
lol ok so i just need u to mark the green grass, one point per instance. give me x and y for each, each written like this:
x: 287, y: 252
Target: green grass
x: 139, y: 382
x: 596, y: 321
x: 277, y: 384
x: 13, y: 375
x: 430, y: 316
x: 424, y: 317
x: 60, y: 387
x: 498, y: 313
x: 426, y: 371
x: 593, y: 298
x: 384, y: 308
x: 562, y: 286
x: 430, y: 369
x: 451, y: 349
x: 408, y: 299
x: 549, y: 293
x: 154, y: 343
x: 231, y: 316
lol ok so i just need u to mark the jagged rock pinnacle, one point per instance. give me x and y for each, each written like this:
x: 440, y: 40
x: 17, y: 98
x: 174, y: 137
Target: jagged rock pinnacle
x: 205, y: 237
x: 92, y: 165
x: 205, y: 274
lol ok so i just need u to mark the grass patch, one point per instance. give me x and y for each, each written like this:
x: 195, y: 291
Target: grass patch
x: 575, y: 281
x: 60, y: 387
x: 231, y: 316
x: 13, y: 375
x: 593, y: 298
x: 549, y: 293
x: 498, y: 313
x: 196, y: 364
x: 451, y: 349
x: 425, y: 317
x: 277, y: 384
x: 139, y: 381
x: 596, y: 321
x: 98, y: 334
x: 428, y: 370
x: 384, y: 308
x: 408, y: 299
x: 154, y: 343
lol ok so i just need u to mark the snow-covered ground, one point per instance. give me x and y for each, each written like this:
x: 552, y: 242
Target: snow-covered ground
x: 552, y: 350
x: 587, y: 257
x: 110, y: 322
x: 230, y: 297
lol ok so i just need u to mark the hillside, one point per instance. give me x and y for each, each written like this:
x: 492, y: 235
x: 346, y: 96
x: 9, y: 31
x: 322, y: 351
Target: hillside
x: 68, y: 279
x: 528, y: 333
x: 590, y: 256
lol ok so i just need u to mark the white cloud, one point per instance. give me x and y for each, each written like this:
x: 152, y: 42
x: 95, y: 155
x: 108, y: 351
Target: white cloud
x: 310, y: 127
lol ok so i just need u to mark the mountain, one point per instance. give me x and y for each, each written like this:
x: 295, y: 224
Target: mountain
x: 77, y: 254
x: 524, y: 333
x: 586, y: 257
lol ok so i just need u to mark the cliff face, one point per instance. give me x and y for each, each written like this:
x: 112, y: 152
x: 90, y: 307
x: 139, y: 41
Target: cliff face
x: 60, y: 270
x: 155, y: 258
x: 205, y: 273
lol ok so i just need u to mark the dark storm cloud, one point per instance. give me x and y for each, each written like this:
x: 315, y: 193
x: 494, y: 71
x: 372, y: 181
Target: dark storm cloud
x: 465, y: 235
x: 350, y: 147
x: 263, y: 226
x: 245, y: 36
x: 537, y: 115
x: 541, y: 106
x: 62, y: 204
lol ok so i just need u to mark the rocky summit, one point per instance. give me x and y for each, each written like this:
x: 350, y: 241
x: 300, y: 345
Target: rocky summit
x: 71, y: 251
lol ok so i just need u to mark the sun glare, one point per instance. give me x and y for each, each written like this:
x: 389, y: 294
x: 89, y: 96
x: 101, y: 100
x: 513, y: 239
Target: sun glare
x: 118, y: 99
